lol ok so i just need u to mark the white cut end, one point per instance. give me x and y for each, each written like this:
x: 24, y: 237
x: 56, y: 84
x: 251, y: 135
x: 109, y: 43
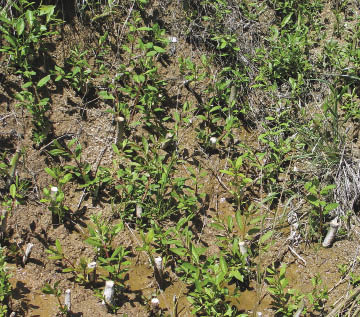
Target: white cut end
x: 92, y: 265
x: 27, y: 253
x: 242, y: 247
x: 158, y: 263
x: 138, y: 211
x: 109, y: 293
x: 120, y: 119
x: 53, y: 191
x: 155, y: 303
x: 213, y: 141
x: 68, y: 299
x: 92, y: 274
x: 172, y: 39
x: 259, y: 314
x: 330, y: 236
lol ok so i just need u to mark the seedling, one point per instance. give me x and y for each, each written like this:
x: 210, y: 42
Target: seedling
x: 54, y: 290
x: 5, y: 286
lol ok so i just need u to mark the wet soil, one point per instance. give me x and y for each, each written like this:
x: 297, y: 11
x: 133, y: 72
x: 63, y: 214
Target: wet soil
x: 94, y: 127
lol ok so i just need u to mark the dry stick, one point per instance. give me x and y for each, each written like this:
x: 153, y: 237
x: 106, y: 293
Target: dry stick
x: 123, y: 27
x: 218, y: 178
x: 297, y: 255
x: 300, y: 309
x: 175, y: 309
x: 351, y: 269
x: 96, y: 169
x: 344, y: 303
x: 27, y: 253
x: 58, y: 138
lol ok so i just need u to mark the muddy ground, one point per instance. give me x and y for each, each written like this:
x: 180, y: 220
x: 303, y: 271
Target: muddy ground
x: 89, y: 121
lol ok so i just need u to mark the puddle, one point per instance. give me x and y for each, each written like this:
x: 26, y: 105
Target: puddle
x: 33, y: 303
x: 141, y: 279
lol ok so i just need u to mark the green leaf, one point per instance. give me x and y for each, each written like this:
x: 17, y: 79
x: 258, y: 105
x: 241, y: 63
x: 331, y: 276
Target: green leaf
x: 20, y: 26
x: 67, y: 270
x: 313, y: 200
x: 43, y: 81
x: 151, y: 53
x: 144, y: 28
x: 326, y: 189
x: 223, y: 265
x: 115, y: 149
x: 13, y: 191
x: 230, y: 223
x: 105, y: 95
x: 159, y: 49
x: 266, y: 236
x: 94, y: 242
x: 217, y: 226
x: 253, y: 231
x: 50, y: 172
x: 239, y: 220
x: 286, y: 19
x: 47, y: 289
x: 331, y: 207
x: 237, y: 275
x: 66, y: 178
x: 150, y: 236
x: 256, y: 220
x: 178, y: 251
x: 58, y: 246
x: 11, y: 40
x: 29, y: 15
x: 48, y: 10
x: 139, y: 78
x: 56, y: 152
x: 195, y: 254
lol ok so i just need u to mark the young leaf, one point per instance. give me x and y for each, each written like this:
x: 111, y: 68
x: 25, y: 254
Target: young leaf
x: 178, y: 251
x: 29, y: 15
x: 13, y: 191
x: 266, y: 236
x: 50, y: 172
x: 223, y: 265
x: 237, y: 275
x: 43, y: 81
x: 20, y: 26
x: 58, y: 246
x: 239, y: 220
